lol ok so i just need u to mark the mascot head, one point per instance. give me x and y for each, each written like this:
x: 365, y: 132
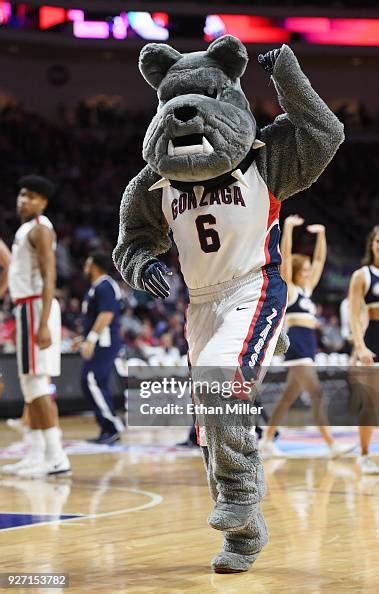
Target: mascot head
x: 203, y: 127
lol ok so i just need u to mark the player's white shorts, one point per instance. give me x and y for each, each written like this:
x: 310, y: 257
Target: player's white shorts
x: 30, y: 358
x: 236, y: 324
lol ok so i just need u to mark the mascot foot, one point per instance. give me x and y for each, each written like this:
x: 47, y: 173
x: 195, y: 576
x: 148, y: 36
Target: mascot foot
x: 226, y: 562
x: 230, y: 516
x: 242, y: 547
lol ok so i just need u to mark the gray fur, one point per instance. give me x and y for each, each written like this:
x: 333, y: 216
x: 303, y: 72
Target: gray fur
x: 155, y: 60
x: 230, y: 54
x: 301, y: 142
x: 241, y: 548
x: 226, y: 562
x: 143, y: 234
x: 226, y: 121
x: 229, y: 516
x: 234, y: 465
x: 298, y: 146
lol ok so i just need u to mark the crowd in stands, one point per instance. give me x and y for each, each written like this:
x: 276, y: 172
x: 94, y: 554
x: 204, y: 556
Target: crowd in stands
x: 92, y: 152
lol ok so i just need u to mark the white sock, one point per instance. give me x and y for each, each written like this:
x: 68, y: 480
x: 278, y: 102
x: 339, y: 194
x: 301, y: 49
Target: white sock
x: 53, y: 442
x: 37, y: 443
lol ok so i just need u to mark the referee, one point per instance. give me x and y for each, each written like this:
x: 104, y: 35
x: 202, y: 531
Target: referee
x: 101, y: 321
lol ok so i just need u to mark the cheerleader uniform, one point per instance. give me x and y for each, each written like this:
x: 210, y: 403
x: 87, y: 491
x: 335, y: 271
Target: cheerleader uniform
x: 371, y: 298
x: 303, y: 343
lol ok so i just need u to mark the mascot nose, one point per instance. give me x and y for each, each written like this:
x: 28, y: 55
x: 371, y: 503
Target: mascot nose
x: 186, y: 113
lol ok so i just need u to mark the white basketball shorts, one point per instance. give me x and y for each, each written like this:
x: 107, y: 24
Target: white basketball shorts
x: 30, y: 358
x: 236, y: 324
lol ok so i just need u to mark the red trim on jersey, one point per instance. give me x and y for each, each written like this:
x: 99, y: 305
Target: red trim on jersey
x: 32, y: 337
x: 273, y: 214
x: 262, y: 299
x: 197, y: 429
x: 23, y: 300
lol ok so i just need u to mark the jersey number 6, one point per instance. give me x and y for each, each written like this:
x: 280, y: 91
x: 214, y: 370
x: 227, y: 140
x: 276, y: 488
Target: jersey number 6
x: 209, y: 238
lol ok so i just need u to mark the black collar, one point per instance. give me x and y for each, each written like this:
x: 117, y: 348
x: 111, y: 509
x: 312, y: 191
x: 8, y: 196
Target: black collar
x: 222, y: 181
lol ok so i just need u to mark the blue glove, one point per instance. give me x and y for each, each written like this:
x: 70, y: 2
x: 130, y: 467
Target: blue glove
x: 153, y: 281
x: 268, y: 60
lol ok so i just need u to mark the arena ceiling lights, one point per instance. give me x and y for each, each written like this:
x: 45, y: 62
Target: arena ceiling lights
x: 162, y: 26
x: 313, y: 30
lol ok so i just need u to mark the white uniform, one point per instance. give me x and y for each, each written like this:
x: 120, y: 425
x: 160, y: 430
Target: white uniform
x: 227, y: 233
x: 25, y: 285
x: 228, y: 243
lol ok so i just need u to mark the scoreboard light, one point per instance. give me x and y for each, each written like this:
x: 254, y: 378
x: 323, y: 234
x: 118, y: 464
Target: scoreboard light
x: 49, y: 16
x: 147, y: 27
x: 312, y: 30
x: 91, y: 29
x: 5, y: 12
x: 249, y: 29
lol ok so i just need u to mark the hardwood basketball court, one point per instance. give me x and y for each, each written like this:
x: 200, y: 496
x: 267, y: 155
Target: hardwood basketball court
x: 135, y: 521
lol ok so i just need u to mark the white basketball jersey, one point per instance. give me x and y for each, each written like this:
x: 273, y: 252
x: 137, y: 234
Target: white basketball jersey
x: 226, y: 233
x: 25, y: 277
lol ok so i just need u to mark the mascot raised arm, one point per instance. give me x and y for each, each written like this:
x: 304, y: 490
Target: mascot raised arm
x: 218, y: 182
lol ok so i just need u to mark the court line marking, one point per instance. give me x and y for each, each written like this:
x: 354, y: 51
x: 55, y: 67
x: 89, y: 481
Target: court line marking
x: 315, y: 490
x: 155, y: 500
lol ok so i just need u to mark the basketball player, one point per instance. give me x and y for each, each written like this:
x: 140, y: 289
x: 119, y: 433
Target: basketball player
x: 364, y: 286
x: 101, y: 309
x: 38, y: 323
x: 5, y: 257
x: 301, y: 276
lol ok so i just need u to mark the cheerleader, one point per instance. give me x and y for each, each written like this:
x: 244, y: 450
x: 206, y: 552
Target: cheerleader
x: 302, y: 276
x: 364, y: 287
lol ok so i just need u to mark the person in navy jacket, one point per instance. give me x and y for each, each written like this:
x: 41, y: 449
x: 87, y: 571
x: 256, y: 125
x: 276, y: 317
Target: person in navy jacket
x: 100, y: 347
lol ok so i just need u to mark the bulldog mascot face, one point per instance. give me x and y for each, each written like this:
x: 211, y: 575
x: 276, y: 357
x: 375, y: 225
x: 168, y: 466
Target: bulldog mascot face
x: 218, y: 185
x: 203, y: 127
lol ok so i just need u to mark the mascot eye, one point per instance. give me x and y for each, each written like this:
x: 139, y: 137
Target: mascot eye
x: 211, y: 93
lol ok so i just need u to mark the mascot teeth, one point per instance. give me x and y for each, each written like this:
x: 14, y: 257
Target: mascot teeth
x: 191, y: 149
x: 207, y: 147
x: 170, y: 149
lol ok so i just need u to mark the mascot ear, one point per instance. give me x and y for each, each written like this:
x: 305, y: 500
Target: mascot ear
x: 154, y: 61
x: 230, y: 54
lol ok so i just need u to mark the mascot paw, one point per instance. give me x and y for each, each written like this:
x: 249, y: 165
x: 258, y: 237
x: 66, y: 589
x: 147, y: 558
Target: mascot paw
x: 226, y: 562
x: 153, y: 280
x: 268, y: 60
x: 230, y: 516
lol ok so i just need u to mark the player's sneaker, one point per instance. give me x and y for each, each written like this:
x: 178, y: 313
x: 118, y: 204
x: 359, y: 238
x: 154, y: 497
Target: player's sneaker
x: 188, y: 443
x: 269, y: 450
x: 336, y: 450
x: 61, y: 466
x: 22, y: 464
x: 367, y: 466
x: 105, y: 438
x: 17, y: 425
x: 46, y: 468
